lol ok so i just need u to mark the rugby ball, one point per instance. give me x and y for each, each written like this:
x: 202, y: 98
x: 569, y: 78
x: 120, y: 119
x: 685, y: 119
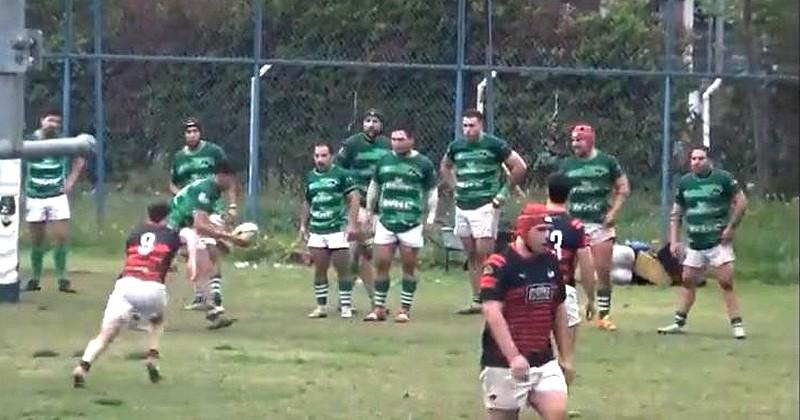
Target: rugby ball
x: 247, y: 231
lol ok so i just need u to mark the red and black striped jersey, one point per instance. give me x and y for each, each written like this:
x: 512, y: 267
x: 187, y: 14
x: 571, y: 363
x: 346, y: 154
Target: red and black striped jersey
x: 567, y: 236
x: 531, y: 290
x: 149, y: 251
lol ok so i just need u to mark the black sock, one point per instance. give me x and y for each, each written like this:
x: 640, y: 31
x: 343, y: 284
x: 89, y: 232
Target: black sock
x: 680, y: 318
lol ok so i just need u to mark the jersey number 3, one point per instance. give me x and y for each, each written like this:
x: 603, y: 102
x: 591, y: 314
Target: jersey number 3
x: 147, y: 242
x: 557, y: 239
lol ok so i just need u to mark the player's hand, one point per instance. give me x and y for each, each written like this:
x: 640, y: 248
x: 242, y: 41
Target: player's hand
x: 727, y: 235
x: 569, y: 371
x: 303, y: 233
x: 68, y: 188
x: 590, y: 311
x: 519, y: 368
x: 238, y: 241
x: 610, y: 220
x: 351, y: 231
x: 675, y: 249
x: 232, y: 213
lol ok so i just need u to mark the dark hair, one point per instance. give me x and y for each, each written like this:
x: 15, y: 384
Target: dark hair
x: 323, y: 143
x: 699, y: 146
x: 191, y: 122
x: 374, y: 112
x: 406, y: 128
x: 474, y: 113
x: 224, y: 167
x: 157, y: 212
x: 558, y: 187
x: 55, y: 112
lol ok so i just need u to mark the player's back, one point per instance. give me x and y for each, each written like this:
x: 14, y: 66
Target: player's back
x: 567, y: 236
x: 149, y: 251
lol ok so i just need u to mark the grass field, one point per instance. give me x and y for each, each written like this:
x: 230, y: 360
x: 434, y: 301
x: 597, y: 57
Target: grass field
x: 277, y: 364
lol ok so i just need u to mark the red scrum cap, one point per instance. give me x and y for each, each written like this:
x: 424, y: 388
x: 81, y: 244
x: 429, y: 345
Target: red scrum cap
x: 533, y: 214
x: 583, y: 131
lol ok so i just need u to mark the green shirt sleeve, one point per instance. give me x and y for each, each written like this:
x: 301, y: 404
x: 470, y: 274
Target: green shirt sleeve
x: 616, y: 169
x: 430, y: 175
x: 679, y: 194
x: 731, y: 185
x: 501, y: 150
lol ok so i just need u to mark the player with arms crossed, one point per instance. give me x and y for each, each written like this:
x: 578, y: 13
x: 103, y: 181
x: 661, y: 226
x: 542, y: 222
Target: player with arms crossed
x: 403, y: 185
x: 713, y: 204
x: 48, y: 183
x: 328, y: 219
x: 473, y: 168
x: 596, y: 176
x: 191, y: 208
x: 196, y: 160
x: 569, y: 240
x: 359, y: 154
x: 523, y: 303
x: 139, y: 289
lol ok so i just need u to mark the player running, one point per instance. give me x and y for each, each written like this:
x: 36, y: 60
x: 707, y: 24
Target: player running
x: 328, y: 219
x: 523, y: 303
x: 403, y: 185
x: 569, y: 240
x: 196, y: 160
x: 596, y: 176
x: 48, y: 183
x: 192, y: 208
x: 713, y: 204
x: 473, y: 168
x: 359, y: 154
x: 139, y: 289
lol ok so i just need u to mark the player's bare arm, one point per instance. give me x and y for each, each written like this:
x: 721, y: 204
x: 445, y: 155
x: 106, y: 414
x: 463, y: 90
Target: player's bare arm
x: 562, y: 338
x: 621, y: 191
x: 675, y: 216
x: 77, y: 166
x: 372, y: 195
x: 303, y: 215
x: 353, y: 205
x: 433, y: 204
x: 446, y: 173
x: 173, y: 188
x: 516, y: 168
x: 232, y: 195
x: 738, y: 207
x: 588, y: 278
x: 493, y: 313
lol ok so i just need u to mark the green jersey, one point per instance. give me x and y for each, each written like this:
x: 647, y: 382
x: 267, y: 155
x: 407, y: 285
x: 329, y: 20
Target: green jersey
x: 189, y: 165
x: 45, y: 177
x: 706, y: 203
x: 592, y: 179
x: 326, y: 195
x: 404, y: 182
x: 202, y: 194
x: 478, y: 169
x: 358, y: 156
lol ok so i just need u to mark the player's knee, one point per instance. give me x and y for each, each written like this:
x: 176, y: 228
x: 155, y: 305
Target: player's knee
x: 726, y: 285
x: 689, y: 282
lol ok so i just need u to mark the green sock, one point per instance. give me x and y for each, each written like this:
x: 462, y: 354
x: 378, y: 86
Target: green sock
x: 60, y: 260
x: 345, y: 292
x: 321, y: 291
x: 381, y: 291
x: 37, y: 258
x: 407, y: 295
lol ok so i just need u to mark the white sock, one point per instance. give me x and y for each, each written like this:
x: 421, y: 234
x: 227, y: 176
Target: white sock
x: 93, y: 349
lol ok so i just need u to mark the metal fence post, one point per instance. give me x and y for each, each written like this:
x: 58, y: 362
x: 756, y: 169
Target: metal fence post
x: 460, y: 46
x: 490, y: 64
x: 666, y: 140
x: 66, y: 81
x: 253, y: 174
x: 99, y: 114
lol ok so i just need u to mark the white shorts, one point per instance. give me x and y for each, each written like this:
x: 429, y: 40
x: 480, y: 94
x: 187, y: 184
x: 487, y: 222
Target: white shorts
x: 478, y: 223
x: 147, y: 298
x: 335, y: 240
x: 712, y: 257
x: 47, y: 209
x: 411, y: 238
x: 598, y: 233
x: 573, y: 306
x: 502, y: 392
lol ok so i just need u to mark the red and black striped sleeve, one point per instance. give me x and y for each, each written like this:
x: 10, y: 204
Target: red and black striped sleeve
x: 491, y: 281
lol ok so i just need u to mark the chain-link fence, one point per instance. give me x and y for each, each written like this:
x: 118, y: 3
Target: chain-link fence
x: 616, y: 64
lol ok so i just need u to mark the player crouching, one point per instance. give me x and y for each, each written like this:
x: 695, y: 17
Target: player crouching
x: 523, y: 302
x: 139, y: 289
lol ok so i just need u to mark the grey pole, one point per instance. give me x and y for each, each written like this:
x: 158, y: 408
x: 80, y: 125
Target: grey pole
x: 99, y: 117
x: 489, y: 63
x: 66, y: 78
x: 460, y: 46
x: 666, y: 139
x: 255, y: 120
